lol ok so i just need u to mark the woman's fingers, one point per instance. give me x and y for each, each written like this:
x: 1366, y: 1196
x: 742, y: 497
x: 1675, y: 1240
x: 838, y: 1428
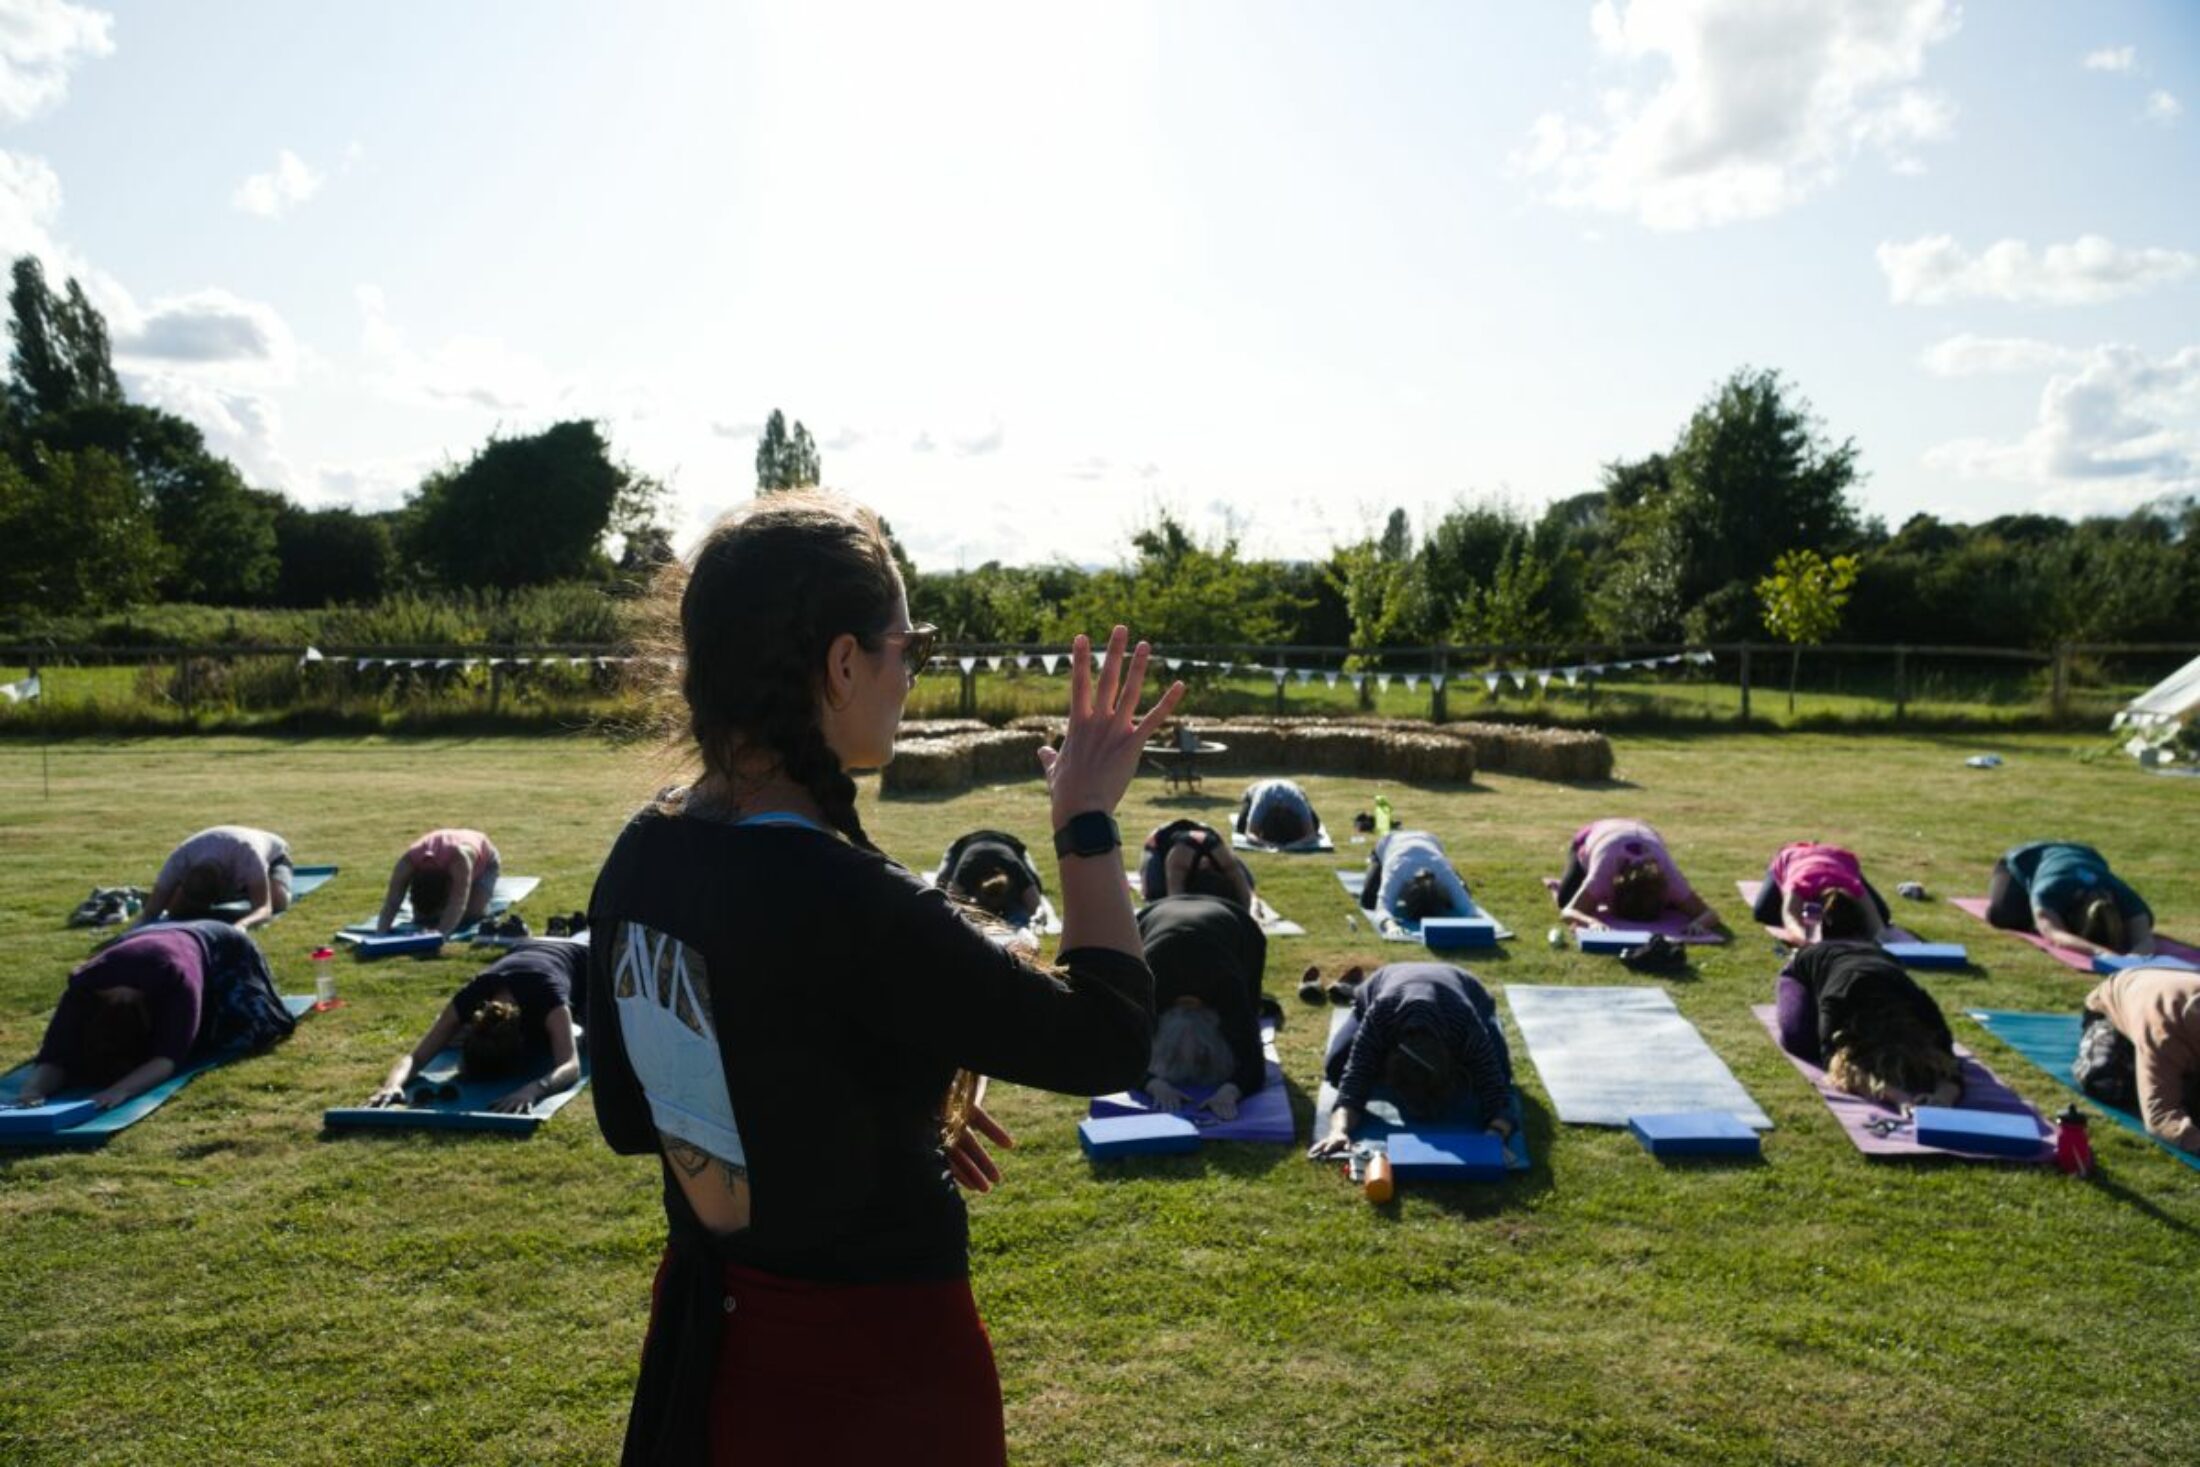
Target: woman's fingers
x: 1160, y: 714
x: 1080, y: 677
x: 1134, y: 682
x: 992, y: 1129
x: 1111, y: 676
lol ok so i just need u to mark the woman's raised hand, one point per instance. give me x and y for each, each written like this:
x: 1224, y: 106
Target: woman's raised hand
x: 1106, y: 736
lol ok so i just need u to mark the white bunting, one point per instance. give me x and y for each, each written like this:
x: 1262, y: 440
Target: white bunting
x: 22, y: 690
x: 1702, y: 659
x: 1543, y: 682
x: 1573, y: 676
x: 1228, y: 668
x: 1173, y: 664
x: 1490, y: 680
x: 1359, y: 681
x: 312, y: 654
x: 1436, y: 681
x: 1304, y: 675
x: 1382, y: 681
x: 1052, y: 661
x: 1278, y: 674
x: 1330, y: 678
x: 1413, y: 682
x: 994, y: 663
x: 968, y: 665
x: 1520, y: 682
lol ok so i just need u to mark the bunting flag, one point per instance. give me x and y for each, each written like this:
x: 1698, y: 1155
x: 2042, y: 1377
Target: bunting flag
x: 22, y: 690
x: 1330, y: 678
x: 1228, y: 668
x: 1520, y: 683
x: 1573, y: 676
x: 1359, y: 681
x: 1436, y: 681
x: 1306, y: 676
x: 995, y: 662
x: 1279, y: 674
x: 1052, y: 660
x: 1490, y: 680
x: 1413, y: 682
x: 312, y: 654
x: 1172, y: 663
x: 1382, y: 682
x: 1543, y: 681
x: 968, y: 665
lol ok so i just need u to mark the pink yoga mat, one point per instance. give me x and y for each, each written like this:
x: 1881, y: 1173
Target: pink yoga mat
x: 1749, y: 890
x: 1982, y: 1090
x: 1671, y: 924
x: 2168, y: 947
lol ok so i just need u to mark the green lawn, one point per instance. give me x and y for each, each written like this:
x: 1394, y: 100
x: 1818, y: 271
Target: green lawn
x: 223, y: 1284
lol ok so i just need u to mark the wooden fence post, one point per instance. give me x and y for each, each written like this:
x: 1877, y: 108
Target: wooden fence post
x: 1901, y: 682
x: 2059, y: 699
x: 970, y: 690
x: 1272, y: 672
x: 1439, y: 678
x: 496, y: 679
x: 1745, y: 682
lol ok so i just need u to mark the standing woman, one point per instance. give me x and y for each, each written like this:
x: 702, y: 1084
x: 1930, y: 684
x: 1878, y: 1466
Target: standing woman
x: 795, y: 1025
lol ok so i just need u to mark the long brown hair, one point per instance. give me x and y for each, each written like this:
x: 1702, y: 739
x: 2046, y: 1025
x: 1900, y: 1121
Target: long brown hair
x: 748, y: 624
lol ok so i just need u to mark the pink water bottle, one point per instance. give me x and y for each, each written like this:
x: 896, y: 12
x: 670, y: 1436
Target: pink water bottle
x: 2073, y: 1147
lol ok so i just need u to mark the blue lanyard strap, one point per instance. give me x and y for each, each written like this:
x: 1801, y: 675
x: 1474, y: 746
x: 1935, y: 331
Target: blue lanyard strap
x: 782, y: 817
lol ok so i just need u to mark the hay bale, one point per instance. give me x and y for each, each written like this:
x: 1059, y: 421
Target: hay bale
x: 927, y: 766
x: 1001, y: 754
x: 939, y: 728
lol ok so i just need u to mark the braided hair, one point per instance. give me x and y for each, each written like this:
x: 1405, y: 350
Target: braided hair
x: 772, y: 586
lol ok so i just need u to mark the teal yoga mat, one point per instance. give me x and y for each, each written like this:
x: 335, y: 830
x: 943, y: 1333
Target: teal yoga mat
x: 1383, y: 1117
x: 304, y: 882
x: 1606, y: 1054
x: 469, y: 1112
x: 2050, y: 1041
x: 100, y: 1128
x: 510, y: 892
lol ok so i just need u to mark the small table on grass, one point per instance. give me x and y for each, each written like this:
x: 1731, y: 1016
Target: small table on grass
x: 1179, y: 760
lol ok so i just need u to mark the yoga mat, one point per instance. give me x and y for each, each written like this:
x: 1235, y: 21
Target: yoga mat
x: 1318, y: 841
x: 2083, y: 962
x: 1046, y: 922
x: 1889, y: 934
x: 1263, y: 1116
x: 2050, y: 1042
x: 1382, y: 1115
x: 1271, y: 921
x: 100, y: 1128
x: 1606, y: 1054
x: 510, y: 892
x: 1397, y: 929
x: 1982, y: 1090
x: 304, y: 882
x: 1672, y: 925
x: 469, y: 1112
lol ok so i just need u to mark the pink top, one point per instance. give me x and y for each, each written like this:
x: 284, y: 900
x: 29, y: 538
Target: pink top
x: 1608, y: 847
x: 1811, y: 870
x: 438, y: 849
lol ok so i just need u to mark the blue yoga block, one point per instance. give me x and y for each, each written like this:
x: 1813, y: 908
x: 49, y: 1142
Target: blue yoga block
x: 401, y: 945
x: 1999, y: 1133
x: 1451, y: 932
x: 1137, y: 1136
x: 1446, y: 1156
x: 2107, y: 964
x: 1694, y: 1133
x: 1929, y: 954
x: 1611, y: 942
x: 44, y: 1120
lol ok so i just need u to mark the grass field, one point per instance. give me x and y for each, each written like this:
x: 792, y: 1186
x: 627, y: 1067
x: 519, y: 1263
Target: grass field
x: 223, y: 1284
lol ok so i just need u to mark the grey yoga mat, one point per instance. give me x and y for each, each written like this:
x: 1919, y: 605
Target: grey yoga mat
x: 1609, y: 1053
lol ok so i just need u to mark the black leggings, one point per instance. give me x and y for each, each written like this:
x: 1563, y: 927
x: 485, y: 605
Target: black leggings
x: 2008, y: 901
x: 1575, y: 873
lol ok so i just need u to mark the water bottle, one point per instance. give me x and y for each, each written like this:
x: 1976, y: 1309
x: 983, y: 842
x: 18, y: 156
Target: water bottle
x: 1378, y: 1184
x: 324, y: 979
x: 2073, y: 1147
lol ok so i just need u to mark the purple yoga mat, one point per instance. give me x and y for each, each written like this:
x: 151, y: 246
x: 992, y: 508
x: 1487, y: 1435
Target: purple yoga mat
x: 1670, y: 924
x: 1982, y: 1090
x: 2168, y: 947
x: 1264, y: 1115
x: 1749, y: 890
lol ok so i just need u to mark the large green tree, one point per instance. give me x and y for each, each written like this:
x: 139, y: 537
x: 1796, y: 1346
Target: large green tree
x: 520, y: 512
x: 784, y: 459
x: 332, y: 557
x: 76, y: 534
x: 60, y: 359
x: 1180, y: 591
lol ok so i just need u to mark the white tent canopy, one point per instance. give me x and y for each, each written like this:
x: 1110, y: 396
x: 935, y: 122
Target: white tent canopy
x: 2175, y: 699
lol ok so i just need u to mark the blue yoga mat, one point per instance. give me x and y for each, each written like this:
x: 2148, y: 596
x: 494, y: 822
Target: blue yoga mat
x: 304, y: 882
x: 2050, y: 1041
x: 1382, y: 1116
x: 1607, y: 1054
x: 510, y: 892
x: 1265, y: 1115
x: 1398, y: 929
x: 99, y: 1128
x: 469, y: 1112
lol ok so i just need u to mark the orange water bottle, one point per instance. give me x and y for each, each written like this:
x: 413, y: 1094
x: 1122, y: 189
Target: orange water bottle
x: 1377, y: 1184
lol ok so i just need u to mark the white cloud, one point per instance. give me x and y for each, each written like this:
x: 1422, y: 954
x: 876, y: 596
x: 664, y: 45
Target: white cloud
x: 976, y: 445
x: 2111, y: 58
x: 2163, y: 108
x: 272, y: 194
x: 2115, y: 431
x: 841, y: 441
x: 1971, y: 356
x: 369, y: 486
x: 1746, y: 108
x: 41, y: 41
x: 742, y: 431
x: 1936, y: 269
x: 465, y: 371
x: 240, y: 425
x: 213, y: 329
x: 922, y: 443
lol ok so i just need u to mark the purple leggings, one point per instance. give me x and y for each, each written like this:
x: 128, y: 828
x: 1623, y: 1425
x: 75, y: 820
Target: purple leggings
x: 1797, y: 1015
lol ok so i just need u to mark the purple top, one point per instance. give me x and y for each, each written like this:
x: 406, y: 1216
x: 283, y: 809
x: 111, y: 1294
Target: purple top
x: 1608, y: 847
x: 168, y: 966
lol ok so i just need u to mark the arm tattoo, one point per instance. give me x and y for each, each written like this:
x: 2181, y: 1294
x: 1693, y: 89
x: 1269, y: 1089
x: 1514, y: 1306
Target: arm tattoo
x: 689, y: 1158
x: 735, y: 1177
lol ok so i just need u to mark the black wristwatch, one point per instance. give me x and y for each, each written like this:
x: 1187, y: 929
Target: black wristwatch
x: 1090, y: 834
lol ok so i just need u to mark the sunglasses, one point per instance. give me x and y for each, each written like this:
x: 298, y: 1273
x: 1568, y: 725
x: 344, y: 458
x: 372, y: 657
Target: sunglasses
x: 916, y: 646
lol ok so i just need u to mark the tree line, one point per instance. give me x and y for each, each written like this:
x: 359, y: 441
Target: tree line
x: 1746, y: 524
x: 107, y: 504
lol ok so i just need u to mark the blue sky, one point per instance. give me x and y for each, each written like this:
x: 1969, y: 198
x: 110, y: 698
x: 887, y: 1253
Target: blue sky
x: 1030, y: 271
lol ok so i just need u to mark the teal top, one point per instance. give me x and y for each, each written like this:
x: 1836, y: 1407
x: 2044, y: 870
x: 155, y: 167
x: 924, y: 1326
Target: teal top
x: 2058, y: 873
